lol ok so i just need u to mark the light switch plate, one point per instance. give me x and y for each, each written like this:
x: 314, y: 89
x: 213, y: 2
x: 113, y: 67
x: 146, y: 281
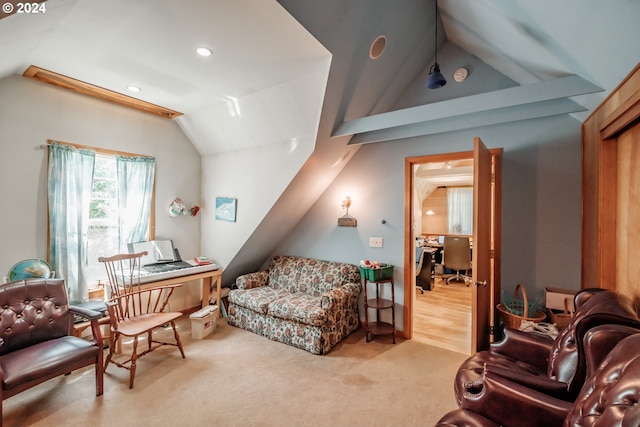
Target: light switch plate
x: 375, y: 242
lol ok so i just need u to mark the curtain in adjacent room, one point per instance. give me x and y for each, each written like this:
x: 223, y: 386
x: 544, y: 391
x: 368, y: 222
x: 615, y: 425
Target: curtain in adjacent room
x: 69, y: 196
x: 460, y: 210
x: 135, y: 177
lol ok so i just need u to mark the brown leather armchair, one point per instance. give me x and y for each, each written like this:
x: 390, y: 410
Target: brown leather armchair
x: 557, y: 368
x: 609, y: 396
x: 36, y: 339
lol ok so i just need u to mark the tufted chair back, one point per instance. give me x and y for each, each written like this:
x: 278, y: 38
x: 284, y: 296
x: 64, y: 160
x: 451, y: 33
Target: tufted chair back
x: 32, y: 312
x: 610, y: 396
x: 604, y: 307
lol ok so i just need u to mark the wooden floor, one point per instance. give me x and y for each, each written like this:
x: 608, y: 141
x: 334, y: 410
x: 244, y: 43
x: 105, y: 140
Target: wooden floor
x: 442, y: 316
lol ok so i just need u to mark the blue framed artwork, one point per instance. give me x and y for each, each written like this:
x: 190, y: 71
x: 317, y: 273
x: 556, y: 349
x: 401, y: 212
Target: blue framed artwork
x: 226, y: 209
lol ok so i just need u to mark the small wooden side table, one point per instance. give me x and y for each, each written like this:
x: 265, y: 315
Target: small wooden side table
x: 378, y: 327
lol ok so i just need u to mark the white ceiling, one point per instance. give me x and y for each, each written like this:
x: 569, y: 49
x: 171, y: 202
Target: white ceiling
x: 429, y: 176
x: 266, y: 81
x: 263, y: 59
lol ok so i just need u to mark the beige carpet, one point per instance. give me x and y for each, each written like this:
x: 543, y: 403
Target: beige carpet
x: 236, y: 378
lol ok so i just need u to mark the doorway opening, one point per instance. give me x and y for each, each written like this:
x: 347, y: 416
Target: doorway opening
x: 465, y: 321
x: 443, y: 208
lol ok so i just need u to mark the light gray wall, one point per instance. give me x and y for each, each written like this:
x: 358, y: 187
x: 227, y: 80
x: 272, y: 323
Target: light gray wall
x: 541, y: 202
x: 32, y: 112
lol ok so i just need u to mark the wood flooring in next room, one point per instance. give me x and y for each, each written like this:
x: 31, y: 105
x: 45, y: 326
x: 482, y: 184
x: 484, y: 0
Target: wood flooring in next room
x: 442, y: 316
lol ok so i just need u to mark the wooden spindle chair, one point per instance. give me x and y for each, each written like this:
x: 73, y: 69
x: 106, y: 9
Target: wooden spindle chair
x: 135, y: 310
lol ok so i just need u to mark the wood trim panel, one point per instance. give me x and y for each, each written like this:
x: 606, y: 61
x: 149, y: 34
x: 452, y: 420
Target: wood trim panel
x: 497, y: 231
x: 84, y: 88
x: 599, y: 180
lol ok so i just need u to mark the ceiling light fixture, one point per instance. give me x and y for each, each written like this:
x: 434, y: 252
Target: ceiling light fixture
x: 436, y: 79
x: 204, y: 51
x: 134, y: 88
x: 461, y: 74
x: 377, y: 47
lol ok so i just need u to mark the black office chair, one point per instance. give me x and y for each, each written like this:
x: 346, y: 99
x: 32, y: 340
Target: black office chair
x: 423, y: 272
x: 457, y: 257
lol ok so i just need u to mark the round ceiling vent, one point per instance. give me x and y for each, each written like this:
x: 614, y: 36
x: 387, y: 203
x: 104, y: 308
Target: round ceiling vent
x: 377, y: 47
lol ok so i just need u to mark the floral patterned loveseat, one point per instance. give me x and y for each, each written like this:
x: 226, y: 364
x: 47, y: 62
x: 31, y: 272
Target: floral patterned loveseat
x: 306, y: 303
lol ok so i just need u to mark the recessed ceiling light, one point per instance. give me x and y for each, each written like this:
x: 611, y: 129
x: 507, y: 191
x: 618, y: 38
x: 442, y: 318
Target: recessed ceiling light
x: 377, y: 47
x: 204, y: 51
x: 134, y: 89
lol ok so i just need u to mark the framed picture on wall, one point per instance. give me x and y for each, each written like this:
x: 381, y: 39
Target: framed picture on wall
x: 226, y: 209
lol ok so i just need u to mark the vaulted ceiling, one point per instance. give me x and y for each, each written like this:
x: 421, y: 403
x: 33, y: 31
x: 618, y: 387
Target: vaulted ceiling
x: 265, y: 82
x: 299, y: 72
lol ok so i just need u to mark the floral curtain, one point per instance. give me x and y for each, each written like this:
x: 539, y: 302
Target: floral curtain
x: 135, y: 177
x: 460, y: 210
x: 70, y: 176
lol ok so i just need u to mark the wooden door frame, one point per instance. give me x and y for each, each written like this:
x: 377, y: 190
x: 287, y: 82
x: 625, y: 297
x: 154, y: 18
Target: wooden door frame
x: 599, y: 180
x: 409, y: 244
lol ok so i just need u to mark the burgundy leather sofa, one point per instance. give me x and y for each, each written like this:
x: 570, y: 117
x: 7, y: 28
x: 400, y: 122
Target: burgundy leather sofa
x: 36, y: 340
x: 609, y: 396
x: 557, y: 368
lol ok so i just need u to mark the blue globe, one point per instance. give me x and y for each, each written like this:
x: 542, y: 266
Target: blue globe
x: 30, y: 268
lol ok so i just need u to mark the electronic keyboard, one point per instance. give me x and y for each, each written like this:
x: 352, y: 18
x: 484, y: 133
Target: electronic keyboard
x: 151, y: 276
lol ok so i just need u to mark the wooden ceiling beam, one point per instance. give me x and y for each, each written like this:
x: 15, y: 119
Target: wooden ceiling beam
x: 491, y: 104
x: 84, y: 88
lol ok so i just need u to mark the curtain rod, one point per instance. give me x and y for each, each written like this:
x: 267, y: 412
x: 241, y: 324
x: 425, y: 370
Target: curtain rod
x: 97, y: 150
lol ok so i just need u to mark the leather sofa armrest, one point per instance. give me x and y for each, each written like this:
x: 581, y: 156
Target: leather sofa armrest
x: 510, y: 404
x: 340, y: 297
x: 542, y: 384
x: 463, y: 418
x: 252, y: 280
x: 93, y: 316
x: 525, y: 347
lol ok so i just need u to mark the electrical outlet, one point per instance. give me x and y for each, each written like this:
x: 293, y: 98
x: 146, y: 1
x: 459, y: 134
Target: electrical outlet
x: 375, y: 242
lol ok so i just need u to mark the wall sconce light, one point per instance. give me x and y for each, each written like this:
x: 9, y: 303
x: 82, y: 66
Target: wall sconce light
x: 430, y: 212
x: 347, y: 220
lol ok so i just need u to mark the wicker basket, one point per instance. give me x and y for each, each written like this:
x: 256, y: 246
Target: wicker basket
x: 518, y: 310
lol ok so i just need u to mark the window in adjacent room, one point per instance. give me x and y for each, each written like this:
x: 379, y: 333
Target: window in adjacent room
x: 99, y: 200
x: 460, y: 210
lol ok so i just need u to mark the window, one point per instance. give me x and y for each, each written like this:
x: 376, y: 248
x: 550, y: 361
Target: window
x: 460, y: 210
x: 98, y: 202
x: 102, y: 235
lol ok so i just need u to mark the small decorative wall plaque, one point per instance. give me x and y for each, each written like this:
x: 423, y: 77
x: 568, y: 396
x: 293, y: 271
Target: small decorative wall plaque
x: 226, y: 209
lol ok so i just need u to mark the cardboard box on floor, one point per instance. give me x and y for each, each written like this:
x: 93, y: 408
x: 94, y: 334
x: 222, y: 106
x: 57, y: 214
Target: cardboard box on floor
x: 555, y: 299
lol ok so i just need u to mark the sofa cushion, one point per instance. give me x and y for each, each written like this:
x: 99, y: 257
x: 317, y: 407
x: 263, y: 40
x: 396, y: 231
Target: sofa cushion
x: 299, y: 307
x: 256, y: 299
x: 310, y: 276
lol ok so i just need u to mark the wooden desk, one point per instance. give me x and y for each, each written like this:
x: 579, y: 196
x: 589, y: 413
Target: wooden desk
x: 207, y: 283
x: 207, y: 278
